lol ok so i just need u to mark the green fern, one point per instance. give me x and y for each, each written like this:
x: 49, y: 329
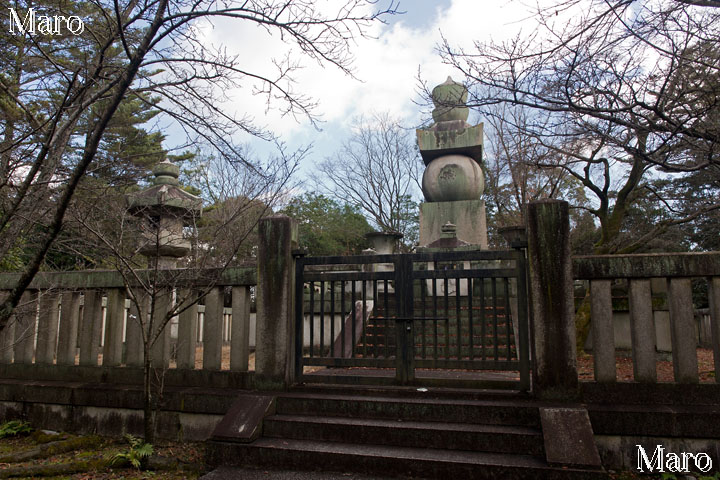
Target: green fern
x: 13, y: 428
x: 136, y: 454
x: 716, y: 476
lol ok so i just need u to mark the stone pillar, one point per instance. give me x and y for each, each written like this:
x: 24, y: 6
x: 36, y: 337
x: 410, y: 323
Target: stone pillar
x: 274, y: 355
x: 453, y: 180
x: 551, y: 297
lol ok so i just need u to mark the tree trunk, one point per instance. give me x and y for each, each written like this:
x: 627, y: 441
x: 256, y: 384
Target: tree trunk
x: 148, y: 410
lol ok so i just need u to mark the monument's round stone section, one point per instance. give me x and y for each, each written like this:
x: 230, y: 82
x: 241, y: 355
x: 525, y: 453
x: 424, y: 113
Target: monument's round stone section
x: 452, y: 178
x: 449, y: 99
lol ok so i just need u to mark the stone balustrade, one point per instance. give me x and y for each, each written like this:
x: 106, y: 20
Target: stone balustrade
x: 87, y: 318
x: 642, y: 275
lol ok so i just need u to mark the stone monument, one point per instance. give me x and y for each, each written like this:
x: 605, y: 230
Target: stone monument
x: 453, y: 180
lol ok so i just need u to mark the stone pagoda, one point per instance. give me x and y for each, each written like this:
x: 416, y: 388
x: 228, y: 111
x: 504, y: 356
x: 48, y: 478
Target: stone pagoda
x: 453, y: 180
x: 167, y: 208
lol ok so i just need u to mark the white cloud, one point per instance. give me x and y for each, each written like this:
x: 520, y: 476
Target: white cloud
x: 386, y: 66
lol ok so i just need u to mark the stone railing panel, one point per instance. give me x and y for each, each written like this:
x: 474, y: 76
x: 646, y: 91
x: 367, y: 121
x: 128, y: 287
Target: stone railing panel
x: 89, y: 320
x: 714, y: 297
x: 114, y: 320
x: 240, y: 329
x: 642, y: 329
x: 212, y: 330
x: 187, y: 332
x: 91, y: 327
x: 602, y: 330
x: 160, y: 349
x: 134, y: 333
x: 48, y: 322
x: 682, y: 330
x: 69, y: 323
x: 24, y: 335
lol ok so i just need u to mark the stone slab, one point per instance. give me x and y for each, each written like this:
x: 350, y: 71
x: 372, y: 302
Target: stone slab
x: 243, y: 422
x: 468, y: 215
x: 568, y: 437
x: 227, y: 473
x: 436, y: 143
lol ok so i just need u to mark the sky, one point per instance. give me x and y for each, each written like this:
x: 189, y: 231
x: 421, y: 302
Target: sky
x: 386, y: 69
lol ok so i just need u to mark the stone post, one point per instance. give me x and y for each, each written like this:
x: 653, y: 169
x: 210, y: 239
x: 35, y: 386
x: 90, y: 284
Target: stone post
x: 274, y: 356
x: 551, y: 298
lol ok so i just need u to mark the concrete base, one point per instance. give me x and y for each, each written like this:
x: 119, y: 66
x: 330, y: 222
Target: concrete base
x: 187, y: 414
x: 468, y: 215
x: 178, y: 426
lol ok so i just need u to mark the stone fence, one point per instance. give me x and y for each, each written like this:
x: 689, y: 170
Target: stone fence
x: 82, y: 326
x: 659, y: 289
x: 86, y: 319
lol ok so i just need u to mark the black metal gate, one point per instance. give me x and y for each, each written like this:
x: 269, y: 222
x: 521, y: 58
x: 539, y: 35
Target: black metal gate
x: 440, y: 318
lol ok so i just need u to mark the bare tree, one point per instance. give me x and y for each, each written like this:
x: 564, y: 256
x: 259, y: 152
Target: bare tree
x: 510, y: 166
x: 620, y: 91
x: 378, y: 169
x: 152, y: 51
x: 134, y: 240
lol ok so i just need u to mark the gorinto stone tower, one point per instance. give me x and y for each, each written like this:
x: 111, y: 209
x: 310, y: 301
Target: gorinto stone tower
x: 453, y: 181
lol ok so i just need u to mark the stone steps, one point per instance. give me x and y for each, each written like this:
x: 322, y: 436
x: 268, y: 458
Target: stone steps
x: 453, y: 436
x: 391, y: 461
x: 400, y: 432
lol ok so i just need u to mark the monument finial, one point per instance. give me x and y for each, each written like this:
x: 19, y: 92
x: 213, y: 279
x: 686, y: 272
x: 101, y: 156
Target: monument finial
x: 449, y: 99
x: 166, y: 173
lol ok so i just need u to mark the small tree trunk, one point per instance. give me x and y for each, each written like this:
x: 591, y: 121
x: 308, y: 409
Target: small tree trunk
x: 148, y: 411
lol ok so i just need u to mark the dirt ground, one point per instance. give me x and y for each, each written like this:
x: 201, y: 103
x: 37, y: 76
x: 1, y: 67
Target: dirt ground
x: 170, y: 460
x: 624, y: 365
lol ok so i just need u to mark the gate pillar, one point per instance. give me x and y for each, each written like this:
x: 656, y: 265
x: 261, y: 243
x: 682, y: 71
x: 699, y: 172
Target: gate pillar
x: 274, y: 296
x: 551, y: 300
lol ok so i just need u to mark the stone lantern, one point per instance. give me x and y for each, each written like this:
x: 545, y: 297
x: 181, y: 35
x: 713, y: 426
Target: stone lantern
x: 453, y: 181
x: 167, y: 208
x: 383, y: 243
